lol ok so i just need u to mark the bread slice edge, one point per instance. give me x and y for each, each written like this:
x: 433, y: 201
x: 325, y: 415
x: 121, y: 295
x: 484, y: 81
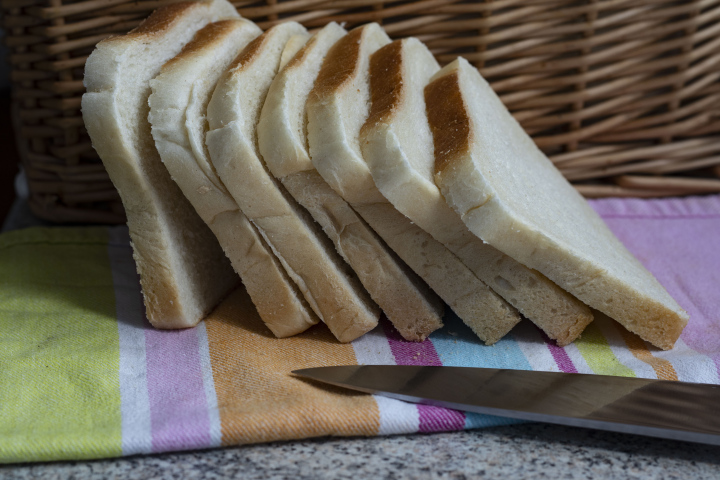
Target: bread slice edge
x: 653, y: 315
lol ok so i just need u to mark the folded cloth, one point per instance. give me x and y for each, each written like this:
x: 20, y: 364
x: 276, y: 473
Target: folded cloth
x: 83, y: 375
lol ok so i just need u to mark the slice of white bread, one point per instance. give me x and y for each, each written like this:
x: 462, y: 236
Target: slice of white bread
x: 337, y: 107
x: 178, y: 104
x: 509, y: 194
x: 398, y: 146
x: 326, y: 281
x: 408, y: 303
x: 183, y: 271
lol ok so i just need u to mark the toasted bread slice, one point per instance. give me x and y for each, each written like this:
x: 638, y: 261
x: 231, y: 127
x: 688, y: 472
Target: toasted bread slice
x: 406, y: 300
x: 183, y: 271
x: 337, y: 107
x: 397, y: 144
x: 509, y: 194
x: 178, y: 104
x: 326, y: 281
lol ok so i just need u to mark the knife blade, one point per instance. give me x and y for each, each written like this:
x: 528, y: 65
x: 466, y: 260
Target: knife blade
x: 656, y: 408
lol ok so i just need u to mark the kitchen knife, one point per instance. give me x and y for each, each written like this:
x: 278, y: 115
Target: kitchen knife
x: 656, y: 408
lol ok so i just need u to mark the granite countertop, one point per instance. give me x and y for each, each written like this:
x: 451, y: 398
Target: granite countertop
x: 518, y: 451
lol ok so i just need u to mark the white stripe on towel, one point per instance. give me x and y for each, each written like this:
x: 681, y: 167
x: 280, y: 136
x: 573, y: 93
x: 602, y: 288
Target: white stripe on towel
x: 135, y: 403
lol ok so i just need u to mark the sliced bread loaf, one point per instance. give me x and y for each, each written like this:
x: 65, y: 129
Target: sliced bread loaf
x: 178, y: 104
x: 337, y: 107
x: 510, y: 195
x: 183, y: 271
x: 397, y: 144
x: 326, y: 281
x: 406, y: 300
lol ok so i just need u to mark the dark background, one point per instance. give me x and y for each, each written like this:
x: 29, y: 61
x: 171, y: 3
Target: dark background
x: 9, y: 159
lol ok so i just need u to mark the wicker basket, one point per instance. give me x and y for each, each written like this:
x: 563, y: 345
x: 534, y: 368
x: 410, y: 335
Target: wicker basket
x: 623, y: 95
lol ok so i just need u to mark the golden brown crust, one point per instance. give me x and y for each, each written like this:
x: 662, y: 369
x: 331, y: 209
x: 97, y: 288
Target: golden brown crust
x: 206, y: 38
x: 161, y: 19
x: 448, y: 118
x: 299, y: 57
x: 386, y: 83
x: 339, y: 64
x: 248, y: 54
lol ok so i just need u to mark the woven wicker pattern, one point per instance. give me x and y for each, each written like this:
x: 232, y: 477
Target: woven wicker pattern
x: 623, y: 95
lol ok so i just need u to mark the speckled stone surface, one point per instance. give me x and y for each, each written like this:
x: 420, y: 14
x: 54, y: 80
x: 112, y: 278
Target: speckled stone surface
x: 519, y: 451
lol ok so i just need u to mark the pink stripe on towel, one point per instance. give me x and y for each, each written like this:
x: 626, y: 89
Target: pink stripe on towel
x: 178, y: 406
x: 434, y: 419
x: 431, y: 419
x: 559, y: 354
x: 676, y: 239
x: 410, y: 353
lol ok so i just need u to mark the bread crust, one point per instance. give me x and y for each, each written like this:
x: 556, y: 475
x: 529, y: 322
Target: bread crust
x: 386, y: 85
x: 481, y: 309
x: 301, y: 56
x: 397, y: 144
x: 206, y: 39
x: 183, y: 272
x: 339, y: 65
x: 337, y: 108
x: 616, y: 284
x: 185, y: 85
x: 159, y: 22
x: 329, y: 286
x: 248, y: 54
x: 449, y: 122
x: 405, y: 299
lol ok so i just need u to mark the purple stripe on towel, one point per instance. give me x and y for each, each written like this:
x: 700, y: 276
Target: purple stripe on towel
x: 434, y: 419
x: 178, y: 407
x: 682, y: 253
x: 559, y: 355
x: 431, y: 419
x: 410, y: 353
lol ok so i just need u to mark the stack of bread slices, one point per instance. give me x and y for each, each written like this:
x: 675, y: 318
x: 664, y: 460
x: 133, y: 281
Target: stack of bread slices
x: 339, y: 175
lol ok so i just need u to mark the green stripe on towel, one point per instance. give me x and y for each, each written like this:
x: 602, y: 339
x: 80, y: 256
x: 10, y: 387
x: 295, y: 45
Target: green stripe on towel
x: 596, y: 351
x: 59, y: 351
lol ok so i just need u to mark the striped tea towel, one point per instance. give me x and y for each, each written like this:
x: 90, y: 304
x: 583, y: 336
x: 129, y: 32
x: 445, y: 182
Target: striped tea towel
x: 83, y: 375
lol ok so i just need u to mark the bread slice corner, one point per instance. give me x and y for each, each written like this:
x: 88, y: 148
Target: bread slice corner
x: 282, y: 139
x: 183, y: 271
x: 510, y: 195
x: 328, y: 285
x: 178, y: 105
x: 397, y: 144
x: 337, y: 108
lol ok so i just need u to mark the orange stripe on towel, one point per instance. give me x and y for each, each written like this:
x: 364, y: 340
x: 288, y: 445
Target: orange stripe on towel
x: 259, y: 400
x: 663, y: 369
